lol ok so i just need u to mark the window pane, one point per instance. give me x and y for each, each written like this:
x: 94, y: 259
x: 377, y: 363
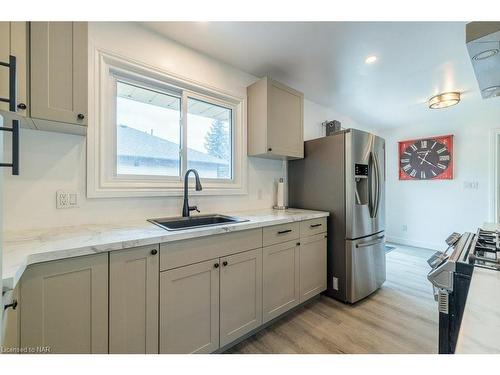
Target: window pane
x: 209, y: 137
x: 147, y: 132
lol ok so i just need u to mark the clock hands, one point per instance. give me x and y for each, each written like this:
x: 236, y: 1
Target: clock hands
x: 428, y: 162
x: 422, y: 162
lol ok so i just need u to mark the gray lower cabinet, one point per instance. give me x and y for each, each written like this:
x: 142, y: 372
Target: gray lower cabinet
x: 59, y: 52
x: 189, y: 308
x: 240, y: 294
x: 64, y: 305
x: 10, y: 322
x: 133, y: 300
x: 280, y: 279
x: 312, y: 266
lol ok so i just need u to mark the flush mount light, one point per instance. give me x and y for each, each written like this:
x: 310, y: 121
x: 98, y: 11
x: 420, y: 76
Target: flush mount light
x: 492, y: 91
x: 485, y: 54
x: 371, y: 59
x: 446, y: 99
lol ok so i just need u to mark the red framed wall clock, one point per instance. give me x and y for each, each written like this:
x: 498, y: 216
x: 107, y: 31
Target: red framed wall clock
x: 426, y: 158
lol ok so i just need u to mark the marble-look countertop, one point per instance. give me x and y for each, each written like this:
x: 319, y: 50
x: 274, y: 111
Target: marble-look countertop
x: 480, y: 327
x: 22, y: 248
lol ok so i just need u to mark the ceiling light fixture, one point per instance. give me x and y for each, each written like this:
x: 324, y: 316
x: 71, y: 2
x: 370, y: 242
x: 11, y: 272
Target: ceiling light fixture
x: 492, y: 91
x: 446, y: 99
x: 486, y: 54
x: 371, y: 59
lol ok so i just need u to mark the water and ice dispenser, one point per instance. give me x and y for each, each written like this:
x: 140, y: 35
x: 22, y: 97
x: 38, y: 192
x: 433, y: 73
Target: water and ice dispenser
x: 361, y: 179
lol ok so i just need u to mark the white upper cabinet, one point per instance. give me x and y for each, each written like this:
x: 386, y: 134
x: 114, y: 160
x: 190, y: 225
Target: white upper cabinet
x: 275, y: 120
x: 14, y: 42
x: 59, y: 75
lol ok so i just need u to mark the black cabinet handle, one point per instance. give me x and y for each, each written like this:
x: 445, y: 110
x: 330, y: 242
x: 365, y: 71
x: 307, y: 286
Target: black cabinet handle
x: 284, y: 231
x: 224, y: 263
x: 216, y: 265
x: 13, y: 305
x: 12, y: 65
x: 297, y: 244
x: 154, y: 252
x: 22, y: 106
x: 80, y: 116
x: 15, y: 147
x: 269, y: 149
x: 315, y: 225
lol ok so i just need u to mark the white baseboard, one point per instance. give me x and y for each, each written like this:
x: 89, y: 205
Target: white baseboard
x: 415, y: 243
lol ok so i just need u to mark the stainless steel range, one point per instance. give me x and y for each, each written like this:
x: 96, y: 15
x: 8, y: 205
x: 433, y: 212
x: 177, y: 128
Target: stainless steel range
x: 451, y: 275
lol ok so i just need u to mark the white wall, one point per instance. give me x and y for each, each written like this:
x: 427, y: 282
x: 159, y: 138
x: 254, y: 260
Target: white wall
x: 433, y: 209
x: 315, y: 115
x: 52, y: 161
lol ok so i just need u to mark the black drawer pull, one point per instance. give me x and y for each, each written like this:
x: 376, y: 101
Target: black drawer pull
x: 12, y: 83
x: 13, y: 305
x: 315, y: 225
x: 284, y: 231
x: 154, y: 252
x: 224, y: 263
x: 15, y: 147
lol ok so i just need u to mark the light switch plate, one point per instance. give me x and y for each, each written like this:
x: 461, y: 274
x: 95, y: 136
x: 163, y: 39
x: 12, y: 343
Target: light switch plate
x: 66, y: 199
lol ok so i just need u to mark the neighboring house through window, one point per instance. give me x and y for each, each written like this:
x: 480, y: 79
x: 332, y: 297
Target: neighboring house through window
x: 150, y: 128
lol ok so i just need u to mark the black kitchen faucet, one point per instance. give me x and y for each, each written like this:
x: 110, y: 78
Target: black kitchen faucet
x: 186, y: 208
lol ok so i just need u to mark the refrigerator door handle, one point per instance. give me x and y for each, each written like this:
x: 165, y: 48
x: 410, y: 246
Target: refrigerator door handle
x: 377, y: 185
x: 370, y: 186
x: 377, y: 240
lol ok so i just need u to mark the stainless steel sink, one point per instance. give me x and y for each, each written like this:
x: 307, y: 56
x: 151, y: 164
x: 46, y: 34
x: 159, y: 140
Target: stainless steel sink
x: 182, y: 223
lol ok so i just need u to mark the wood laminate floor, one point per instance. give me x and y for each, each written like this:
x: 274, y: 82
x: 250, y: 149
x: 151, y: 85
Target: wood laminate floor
x: 401, y: 317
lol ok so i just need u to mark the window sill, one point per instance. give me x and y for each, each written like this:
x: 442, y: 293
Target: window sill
x: 159, y: 192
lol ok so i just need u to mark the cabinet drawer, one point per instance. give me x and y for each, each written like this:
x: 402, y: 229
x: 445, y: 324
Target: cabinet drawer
x: 280, y: 233
x: 181, y: 253
x: 312, y: 227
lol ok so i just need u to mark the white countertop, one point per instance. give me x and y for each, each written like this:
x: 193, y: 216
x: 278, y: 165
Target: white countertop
x: 480, y: 327
x: 23, y: 248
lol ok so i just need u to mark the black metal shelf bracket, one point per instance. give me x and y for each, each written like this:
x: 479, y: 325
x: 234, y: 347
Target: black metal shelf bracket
x: 12, y: 65
x: 15, y: 147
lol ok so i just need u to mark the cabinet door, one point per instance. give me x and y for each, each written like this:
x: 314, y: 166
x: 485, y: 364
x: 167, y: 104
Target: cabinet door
x: 64, y: 305
x: 280, y: 265
x: 285, y: 122
x: 59, y: 71
x: 133, y: 300
x: 312, y: 266
x: 189, y: 308
x: 14, y: 41
x: 10, y: 322
x: 240, y: 294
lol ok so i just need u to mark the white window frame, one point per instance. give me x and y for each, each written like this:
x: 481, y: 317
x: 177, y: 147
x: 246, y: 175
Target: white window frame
x: 102, y: 178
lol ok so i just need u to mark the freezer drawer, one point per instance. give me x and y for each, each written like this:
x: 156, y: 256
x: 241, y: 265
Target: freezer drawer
x: 365, y: 266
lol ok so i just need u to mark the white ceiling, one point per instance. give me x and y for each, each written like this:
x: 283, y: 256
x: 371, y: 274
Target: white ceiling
x: 325, y: 60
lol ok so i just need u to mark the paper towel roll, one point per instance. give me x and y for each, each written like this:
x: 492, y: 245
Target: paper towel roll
x: 280, y: 194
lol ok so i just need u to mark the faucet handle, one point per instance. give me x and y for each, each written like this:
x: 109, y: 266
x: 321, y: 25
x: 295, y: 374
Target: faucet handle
x: 194, y: 208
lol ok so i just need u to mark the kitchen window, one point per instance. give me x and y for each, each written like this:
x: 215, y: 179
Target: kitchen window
x: 151, y: 127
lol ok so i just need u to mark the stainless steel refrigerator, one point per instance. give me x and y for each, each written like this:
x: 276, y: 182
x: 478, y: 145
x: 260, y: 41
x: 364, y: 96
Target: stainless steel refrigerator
x: 344, y: 173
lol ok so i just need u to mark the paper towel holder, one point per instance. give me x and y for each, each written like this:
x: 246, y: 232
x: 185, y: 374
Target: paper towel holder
x: 278, y: 206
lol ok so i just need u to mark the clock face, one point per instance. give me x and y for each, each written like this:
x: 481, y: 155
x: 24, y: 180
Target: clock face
x: 426, y: 159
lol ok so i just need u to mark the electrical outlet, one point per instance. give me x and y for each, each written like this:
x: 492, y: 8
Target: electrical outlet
x: 471, y: 185
x: 65, y: 199
x: 335, y: 283
x: 404, y: 228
